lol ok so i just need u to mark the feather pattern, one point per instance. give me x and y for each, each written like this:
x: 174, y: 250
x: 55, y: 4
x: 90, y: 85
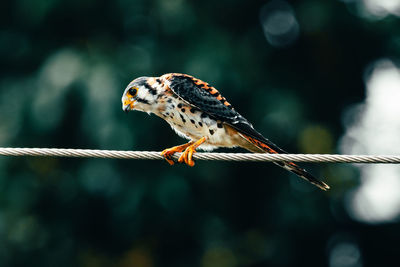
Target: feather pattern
x: 208, y: 99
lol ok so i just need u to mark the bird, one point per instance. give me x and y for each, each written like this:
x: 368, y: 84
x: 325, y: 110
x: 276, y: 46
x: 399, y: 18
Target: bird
x: 198, y: 112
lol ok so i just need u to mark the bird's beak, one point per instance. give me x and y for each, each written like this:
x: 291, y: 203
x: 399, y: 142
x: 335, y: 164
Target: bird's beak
x: 128, y: 105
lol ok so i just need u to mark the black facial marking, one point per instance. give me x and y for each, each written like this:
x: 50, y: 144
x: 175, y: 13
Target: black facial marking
x: 192, y: 121
x: 169, y: 100
x: 203, y: 115
x: 183, y: 110
x: 211, y: 132
x: 158, y: 80
x: 144, y: 101
x: 179, y: 105
x: 201, y: 124
x: 193, y: 110
x: 219, y: 124
x: 151, y: 89
x: 183, y: 119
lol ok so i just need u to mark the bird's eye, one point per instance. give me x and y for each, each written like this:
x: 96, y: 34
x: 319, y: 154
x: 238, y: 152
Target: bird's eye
x: 133, y: 91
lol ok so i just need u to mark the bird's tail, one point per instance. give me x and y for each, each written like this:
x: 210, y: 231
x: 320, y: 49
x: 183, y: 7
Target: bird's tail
x: 270, y: 147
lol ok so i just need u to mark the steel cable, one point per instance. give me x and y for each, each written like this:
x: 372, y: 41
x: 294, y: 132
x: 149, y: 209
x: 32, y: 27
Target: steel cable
x: 122, y: 154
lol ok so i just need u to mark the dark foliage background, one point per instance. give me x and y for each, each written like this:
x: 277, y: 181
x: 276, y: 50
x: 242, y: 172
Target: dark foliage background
x: 63, y: 68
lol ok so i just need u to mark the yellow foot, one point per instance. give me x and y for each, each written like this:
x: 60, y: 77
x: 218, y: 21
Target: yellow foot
x: 187, y: 155
x: 167, y: 153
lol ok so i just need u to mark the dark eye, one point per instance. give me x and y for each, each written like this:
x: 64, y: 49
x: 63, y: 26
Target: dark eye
x: 133, y: 91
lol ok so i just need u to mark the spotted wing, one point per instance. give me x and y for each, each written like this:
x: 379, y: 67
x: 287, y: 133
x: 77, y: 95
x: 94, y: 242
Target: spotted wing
x: 206, y: 98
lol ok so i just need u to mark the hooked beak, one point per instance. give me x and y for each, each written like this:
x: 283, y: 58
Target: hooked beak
x: 128, y: 105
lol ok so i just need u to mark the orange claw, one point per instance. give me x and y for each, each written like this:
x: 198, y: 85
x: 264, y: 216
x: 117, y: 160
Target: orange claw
x: 187, y: 155
x: 167, y: 153
x: 168, y: 157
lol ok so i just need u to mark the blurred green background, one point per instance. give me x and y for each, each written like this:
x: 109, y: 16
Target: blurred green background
x: 298, y: 70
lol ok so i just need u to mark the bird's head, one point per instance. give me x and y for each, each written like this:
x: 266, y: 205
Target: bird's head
x: 138, y: 95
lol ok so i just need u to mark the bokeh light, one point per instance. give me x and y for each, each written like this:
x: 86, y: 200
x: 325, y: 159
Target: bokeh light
x: 344, y: 252
x: 374, y: 128
x: 375, y: 9
x: 382, y: 8
x: 279, y: 23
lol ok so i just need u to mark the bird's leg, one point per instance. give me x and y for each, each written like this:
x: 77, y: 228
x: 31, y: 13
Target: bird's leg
x: 187, y: 155
x: 167, y: 153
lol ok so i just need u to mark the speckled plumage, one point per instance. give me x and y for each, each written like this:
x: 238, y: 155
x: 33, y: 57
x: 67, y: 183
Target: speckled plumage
x: 198, y: 112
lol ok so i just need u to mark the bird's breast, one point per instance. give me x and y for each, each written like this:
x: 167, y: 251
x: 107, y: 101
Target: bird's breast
x: 192, y: 123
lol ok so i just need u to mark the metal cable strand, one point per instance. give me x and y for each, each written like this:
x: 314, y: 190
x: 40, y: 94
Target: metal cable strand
x: 118, y: 154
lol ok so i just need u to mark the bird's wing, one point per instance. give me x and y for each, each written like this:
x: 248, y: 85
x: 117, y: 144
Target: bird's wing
x: 209, y: 100
x: 206, y: 98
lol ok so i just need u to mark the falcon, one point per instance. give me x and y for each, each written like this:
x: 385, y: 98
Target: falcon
x: 198, y: 112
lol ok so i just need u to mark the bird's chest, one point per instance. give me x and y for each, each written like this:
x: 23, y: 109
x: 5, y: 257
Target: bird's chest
x: 192, y: 123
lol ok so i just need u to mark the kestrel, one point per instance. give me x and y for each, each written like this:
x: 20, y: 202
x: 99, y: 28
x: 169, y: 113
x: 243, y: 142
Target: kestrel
x: 198, y: 112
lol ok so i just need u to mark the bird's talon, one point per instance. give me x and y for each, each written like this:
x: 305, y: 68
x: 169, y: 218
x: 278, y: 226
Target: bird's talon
x: 187, y: 152
x: 187, y: 156
x: 170, y: 160
x: 190, y: 157
x: 182, y: 158
x: 167, y: 154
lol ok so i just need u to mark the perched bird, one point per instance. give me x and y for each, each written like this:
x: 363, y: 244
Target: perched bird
x: 198, y: 112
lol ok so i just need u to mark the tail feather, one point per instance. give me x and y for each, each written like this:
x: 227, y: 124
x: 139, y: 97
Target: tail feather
x: 270, y: 147
x: 296, y: 169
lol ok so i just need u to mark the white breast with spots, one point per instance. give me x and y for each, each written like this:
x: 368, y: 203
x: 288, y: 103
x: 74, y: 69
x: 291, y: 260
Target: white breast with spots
x: 193, y: 124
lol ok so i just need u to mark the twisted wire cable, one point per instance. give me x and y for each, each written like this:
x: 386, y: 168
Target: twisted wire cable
x: 152, y: 155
